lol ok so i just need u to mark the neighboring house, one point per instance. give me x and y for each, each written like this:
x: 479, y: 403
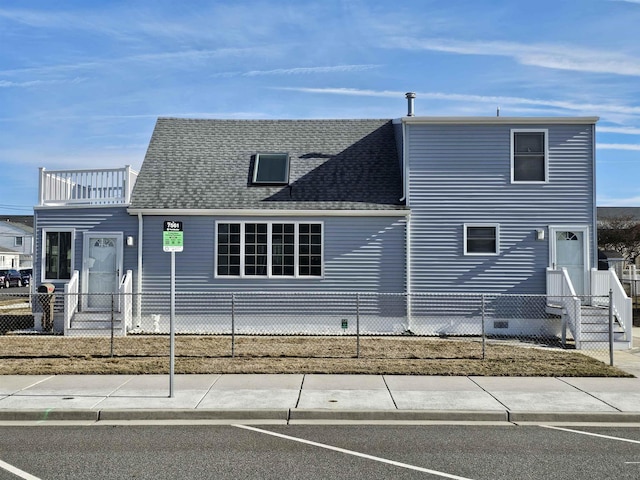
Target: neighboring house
x: 8, y: 258
x: 16, y: 235
x: 631, y: 214
x: 416, y: 205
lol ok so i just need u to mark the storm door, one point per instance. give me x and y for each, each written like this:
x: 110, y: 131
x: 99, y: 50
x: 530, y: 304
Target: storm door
x: 570, y: 251
x: 101, y: 270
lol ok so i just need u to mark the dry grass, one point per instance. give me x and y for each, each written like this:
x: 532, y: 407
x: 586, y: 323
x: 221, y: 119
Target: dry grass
x: 212, y: 354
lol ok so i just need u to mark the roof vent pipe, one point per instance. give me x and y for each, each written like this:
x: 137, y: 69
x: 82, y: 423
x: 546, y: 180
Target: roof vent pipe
x: 410, y: 96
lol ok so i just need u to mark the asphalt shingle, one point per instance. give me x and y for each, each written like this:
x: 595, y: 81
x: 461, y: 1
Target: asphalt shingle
x: 207, y: 164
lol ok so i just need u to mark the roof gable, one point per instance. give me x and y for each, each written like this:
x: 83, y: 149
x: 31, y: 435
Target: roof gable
x: 208, y: 164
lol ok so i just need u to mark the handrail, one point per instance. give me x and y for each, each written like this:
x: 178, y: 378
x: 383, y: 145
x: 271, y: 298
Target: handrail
x: 70, y: 300
x: 93, y: 187
x: 604, y: 280
x: 560, y: 292
x: 125, y: 291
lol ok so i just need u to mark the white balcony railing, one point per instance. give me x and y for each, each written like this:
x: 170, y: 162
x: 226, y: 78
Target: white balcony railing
x: 86, y: 187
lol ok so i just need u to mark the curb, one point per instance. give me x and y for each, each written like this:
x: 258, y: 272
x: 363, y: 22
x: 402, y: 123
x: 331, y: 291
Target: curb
x: 191, y: 414
x: 312, y: 415
x: 48, y: 415
x: 574, y: 417
x: 399, y: 415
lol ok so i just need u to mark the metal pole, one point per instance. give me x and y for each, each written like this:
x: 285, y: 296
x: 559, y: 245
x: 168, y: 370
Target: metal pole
x: 611, y: 327
x: 233, y: 325
x: 357, y: 325
x: 483, y: 333
x: 172, y: 333
x: 112, y: 325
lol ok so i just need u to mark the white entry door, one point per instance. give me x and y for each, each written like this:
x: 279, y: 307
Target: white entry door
x: 570, y: 250
x: 102, y: 264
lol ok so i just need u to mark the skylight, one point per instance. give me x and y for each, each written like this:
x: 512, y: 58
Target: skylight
x: 271, y: 168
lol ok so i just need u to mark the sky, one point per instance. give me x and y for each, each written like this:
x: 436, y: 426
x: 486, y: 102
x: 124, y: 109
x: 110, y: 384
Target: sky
x: 82, y: 83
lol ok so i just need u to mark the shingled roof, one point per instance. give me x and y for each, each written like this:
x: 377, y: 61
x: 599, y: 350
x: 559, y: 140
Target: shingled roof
x: 207, y: 164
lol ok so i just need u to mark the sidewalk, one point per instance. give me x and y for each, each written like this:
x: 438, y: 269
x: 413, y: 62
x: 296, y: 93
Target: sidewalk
x: 313, y: 398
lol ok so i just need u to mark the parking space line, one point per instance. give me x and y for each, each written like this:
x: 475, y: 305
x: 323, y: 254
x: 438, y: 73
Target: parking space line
x: 354, y: 453
x: 591, y: 434
x: 16, y: 471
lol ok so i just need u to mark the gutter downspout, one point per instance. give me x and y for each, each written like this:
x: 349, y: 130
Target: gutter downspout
x: 593, y: 238
x: 139, y: 279
x: 405, y: 189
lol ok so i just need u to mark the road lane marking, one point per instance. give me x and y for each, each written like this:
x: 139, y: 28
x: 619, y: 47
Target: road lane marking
x: 17, y: 471
x: 354, y: 453
x: 591, y: 434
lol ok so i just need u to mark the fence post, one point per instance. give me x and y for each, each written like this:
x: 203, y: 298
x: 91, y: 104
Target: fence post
x: 483, y: 333
x: 233, y: 325
x: 112, y: 323
x: 611, y: 327
x: 357, y: 325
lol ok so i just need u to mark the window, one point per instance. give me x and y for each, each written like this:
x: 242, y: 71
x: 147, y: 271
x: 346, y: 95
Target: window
x: 249, y: 249
x: 18, y: 242
x: 57, y: 255
x: 271, y: 169
x: 529, y: 156
x: 229, y: 249
x: 481, y: 239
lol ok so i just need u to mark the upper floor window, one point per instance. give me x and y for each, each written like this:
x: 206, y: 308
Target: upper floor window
x: 57, y: 255
x: 271, y: 169
x: 18, y: 242
x: 481, y: 239
x: 266, y: 249
x: 529, y: 156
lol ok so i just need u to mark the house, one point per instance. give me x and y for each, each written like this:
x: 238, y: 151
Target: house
x: 16, y: 241
x: 399, y: 207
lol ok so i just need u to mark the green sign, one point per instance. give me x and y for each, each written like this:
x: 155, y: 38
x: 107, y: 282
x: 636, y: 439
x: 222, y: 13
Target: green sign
x: 172, y: 237
x: 345, y: 323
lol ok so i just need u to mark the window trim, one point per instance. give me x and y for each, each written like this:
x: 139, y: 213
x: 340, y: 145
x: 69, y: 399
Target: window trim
x: 465, y: 230
x: 256, y: 164
x: 43, y: 268
x: 270, y: 274
x: 544, y: 131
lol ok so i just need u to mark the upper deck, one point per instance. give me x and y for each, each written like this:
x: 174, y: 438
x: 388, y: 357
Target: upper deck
x: 86, y: 187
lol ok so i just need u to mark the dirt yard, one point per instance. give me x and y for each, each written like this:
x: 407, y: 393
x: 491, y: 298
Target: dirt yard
x: 48, y: 355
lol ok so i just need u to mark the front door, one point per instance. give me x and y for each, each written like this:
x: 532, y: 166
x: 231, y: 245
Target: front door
x: 570, y: 251
x: 102, y: 264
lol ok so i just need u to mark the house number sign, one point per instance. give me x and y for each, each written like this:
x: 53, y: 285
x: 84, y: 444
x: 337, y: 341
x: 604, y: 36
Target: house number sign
x: 172, y: 237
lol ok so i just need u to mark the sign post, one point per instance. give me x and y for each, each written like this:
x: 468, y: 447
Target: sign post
x: 172, y: 241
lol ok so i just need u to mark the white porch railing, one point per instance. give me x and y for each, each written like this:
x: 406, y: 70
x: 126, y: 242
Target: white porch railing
x: 126, y: 304
x: 601, y: 282
x: 561, y: 294
x: 70, y: 300
x: 86, y: 187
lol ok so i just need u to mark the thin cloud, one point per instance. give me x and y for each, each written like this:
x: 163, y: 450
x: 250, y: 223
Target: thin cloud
x: 309, y: 70
x: 618, y: 146
x: 484, y: 99
x: 559, y: 57
x: 622, y: 130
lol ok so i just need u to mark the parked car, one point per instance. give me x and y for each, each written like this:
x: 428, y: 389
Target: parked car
x: 26, y: 276
x: 11, y: 277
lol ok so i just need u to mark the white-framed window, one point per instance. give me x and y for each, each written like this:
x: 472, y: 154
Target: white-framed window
x: 57, y: 254
x: 269, y: 249
x: 481, y: 239
x: 271, y: 169
x: 18, y: 241
x: 529, y: 156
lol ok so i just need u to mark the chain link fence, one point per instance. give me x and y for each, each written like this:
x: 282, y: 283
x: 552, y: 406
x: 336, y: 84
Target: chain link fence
x: 307, y: 325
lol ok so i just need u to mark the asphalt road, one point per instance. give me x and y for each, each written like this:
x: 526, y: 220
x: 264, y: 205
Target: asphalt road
x: 336, y: 452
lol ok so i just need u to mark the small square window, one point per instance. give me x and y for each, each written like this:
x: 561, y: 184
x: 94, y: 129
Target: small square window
x: 529, y: 156
x: 481, y: 239
x: 271, y: 169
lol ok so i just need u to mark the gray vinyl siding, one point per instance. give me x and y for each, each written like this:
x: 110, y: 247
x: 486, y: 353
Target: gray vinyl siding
x: 461, y: 174
x: 360, y: 254
x: 92, y: 219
